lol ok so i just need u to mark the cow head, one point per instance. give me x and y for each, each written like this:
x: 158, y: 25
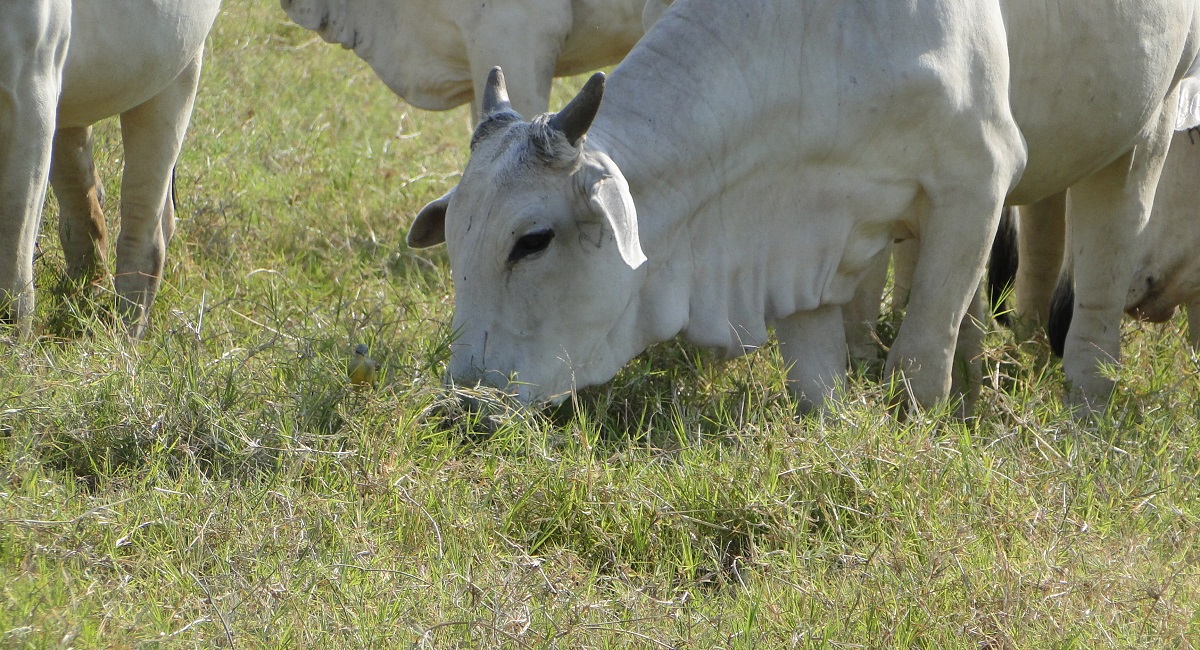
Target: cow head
x: 544, y: 251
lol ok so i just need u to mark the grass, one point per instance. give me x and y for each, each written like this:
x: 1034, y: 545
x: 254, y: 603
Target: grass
x: 219, y: 483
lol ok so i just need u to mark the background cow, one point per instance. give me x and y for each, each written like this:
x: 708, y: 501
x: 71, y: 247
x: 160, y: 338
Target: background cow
x: 64, y: 66
x: 1168, y: 273
x: 435, y: 54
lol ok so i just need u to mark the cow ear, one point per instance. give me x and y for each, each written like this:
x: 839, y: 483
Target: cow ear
x: 429, y: 228
x: 609, y: 197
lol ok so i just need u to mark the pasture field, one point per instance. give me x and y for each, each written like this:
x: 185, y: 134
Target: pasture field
x: 219, y: 483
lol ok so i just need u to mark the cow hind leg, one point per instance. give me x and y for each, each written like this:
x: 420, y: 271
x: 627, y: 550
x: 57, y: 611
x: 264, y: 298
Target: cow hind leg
x: 81, y: 227
x: 1107, y: 212
x: 813, y: 344
x: 861, y: 314
x: 152, y: 134
x: 904, y: 265
x: 1193, y: 324
x: 168, y: 214
x: 966, y: 377
x: 1040, y: 236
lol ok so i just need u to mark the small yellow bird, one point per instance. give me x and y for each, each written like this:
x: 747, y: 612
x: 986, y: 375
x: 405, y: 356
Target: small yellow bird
x: 363, y: 370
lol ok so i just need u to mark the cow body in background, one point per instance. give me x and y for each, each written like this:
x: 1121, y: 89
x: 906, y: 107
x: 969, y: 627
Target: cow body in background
x: 435, y: 54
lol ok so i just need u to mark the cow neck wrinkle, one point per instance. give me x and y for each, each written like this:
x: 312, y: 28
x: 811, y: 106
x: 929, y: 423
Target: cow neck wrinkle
x: 673, y: 117
x: 664, y: 122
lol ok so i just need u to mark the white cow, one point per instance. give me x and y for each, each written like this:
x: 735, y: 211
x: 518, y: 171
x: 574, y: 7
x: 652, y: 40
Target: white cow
x: 435, y: 54
x: 1168, y: 271
x: 751, y: 160
x: 63, y: 66
x: 1041, y: 235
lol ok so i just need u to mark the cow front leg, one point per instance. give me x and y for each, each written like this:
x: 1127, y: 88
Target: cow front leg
x: 954, y: 242
x: 81, y: 228
x: 152, y: 134
x: 30, y: 82
x: 813, y: 345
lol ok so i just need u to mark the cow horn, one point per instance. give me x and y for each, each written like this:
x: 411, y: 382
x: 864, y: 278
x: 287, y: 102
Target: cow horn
x: 495, y: 96
x: 575, y: 118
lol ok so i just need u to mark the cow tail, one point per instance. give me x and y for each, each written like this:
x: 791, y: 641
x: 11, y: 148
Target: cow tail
x: 1062, y: 307
x: 1002, y: 266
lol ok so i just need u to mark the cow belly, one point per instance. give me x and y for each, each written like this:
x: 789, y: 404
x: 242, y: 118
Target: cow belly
x: 1084, y: 95
x: 123, y: 52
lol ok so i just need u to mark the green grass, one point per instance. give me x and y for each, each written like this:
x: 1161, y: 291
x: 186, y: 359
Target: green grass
x: 219, y: 484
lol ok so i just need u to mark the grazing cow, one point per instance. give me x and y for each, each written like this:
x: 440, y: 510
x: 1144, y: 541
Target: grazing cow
x: 64, y: 66
x: 435, y: 54
x: 752, y: 159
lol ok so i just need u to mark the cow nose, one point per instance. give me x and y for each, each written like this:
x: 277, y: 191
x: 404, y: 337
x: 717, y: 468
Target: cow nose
x: 479, y: 389
x: 483, y: 408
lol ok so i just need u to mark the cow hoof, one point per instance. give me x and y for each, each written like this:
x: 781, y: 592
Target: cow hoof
x: 1088, y: 403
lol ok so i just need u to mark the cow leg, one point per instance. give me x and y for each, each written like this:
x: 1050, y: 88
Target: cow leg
x: 813, y: 344
x: 947, y: 275
x: 152, y: 134
x: 862, y: 312
x: 33, y: 47
x: 1040, y: 241
x: 1108, y: 212
x: 81, y: 228
x: 966, y: 375
x: 904, y: 265
x: 966, y: 379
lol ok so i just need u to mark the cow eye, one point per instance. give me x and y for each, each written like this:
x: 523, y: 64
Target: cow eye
x: 530, y: 243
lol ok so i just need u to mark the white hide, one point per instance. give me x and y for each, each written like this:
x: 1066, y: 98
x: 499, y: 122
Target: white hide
x: 653, y: 10
x: 1168, y: 272
x: 33, y: 48
x: 1189, y: 99
x: 435, y: 54
x: 63, y: 66
x: 773, y: 149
